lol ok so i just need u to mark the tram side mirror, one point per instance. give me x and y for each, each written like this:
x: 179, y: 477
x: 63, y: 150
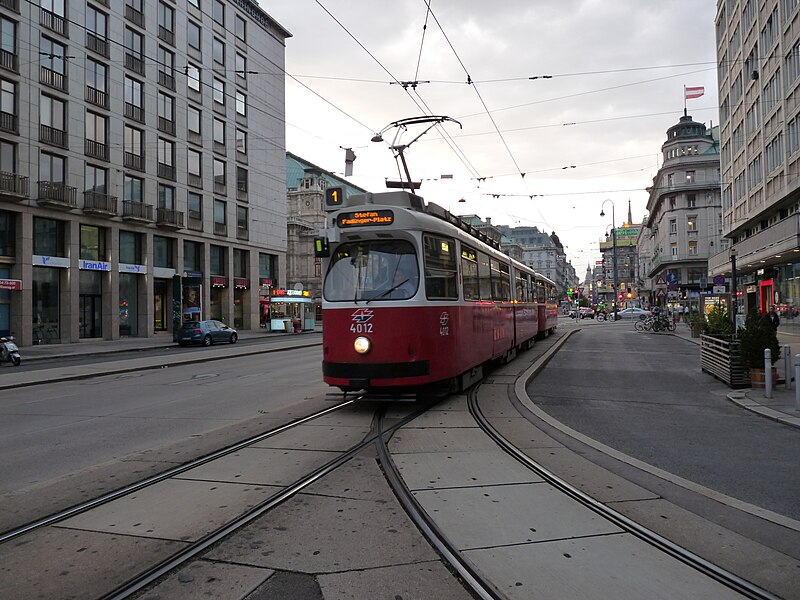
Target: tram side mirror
x: 321, y: 247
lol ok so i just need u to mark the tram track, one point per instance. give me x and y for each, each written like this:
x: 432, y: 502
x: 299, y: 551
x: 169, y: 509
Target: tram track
x: 128, y: 584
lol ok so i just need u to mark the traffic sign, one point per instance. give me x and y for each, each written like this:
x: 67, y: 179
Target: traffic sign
x: 719, y: 280
x: 661, y: 280
x: 660, y: 293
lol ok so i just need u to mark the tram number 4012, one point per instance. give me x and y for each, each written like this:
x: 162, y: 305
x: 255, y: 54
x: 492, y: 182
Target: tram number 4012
x: 361, y: 327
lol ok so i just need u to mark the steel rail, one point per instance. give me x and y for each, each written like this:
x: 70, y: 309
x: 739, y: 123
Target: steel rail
x: 134, y: 487
x: 669, y: 547
x: 477, y: 583
x: 151, y: 575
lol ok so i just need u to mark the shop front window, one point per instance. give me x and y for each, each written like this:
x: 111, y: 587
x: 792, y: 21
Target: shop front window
x: 46, y: 310
x: 128, y: 304
x: 48, y: 237
x: 8, y: 234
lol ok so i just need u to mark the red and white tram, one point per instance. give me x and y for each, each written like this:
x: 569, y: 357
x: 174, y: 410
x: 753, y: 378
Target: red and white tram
x: 413, y: 297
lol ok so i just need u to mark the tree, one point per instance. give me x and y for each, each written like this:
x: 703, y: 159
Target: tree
x: 757, y: 334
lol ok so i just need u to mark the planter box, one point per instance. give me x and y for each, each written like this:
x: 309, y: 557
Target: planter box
x: 719, y: 356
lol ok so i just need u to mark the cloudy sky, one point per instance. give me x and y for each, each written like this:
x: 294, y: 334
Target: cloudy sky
x: 610, y: 79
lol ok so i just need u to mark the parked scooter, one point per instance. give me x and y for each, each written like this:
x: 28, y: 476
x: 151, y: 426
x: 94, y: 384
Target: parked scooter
x: 9, y: 352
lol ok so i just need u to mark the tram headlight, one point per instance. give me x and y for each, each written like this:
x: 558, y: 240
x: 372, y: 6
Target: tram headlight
x: 362, y: 345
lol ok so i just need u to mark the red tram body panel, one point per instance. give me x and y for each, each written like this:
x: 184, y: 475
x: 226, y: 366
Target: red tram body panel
x: 412, y: 299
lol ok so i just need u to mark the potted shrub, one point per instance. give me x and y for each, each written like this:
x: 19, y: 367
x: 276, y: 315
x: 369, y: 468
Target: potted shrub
x: 758, y: 334
x: 718, y: 321
x: 696, y: 322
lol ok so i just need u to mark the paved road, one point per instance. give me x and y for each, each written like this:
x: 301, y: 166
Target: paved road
x: 646, y: 396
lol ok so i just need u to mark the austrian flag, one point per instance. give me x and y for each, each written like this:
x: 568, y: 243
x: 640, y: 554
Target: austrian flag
x: 693, y: 92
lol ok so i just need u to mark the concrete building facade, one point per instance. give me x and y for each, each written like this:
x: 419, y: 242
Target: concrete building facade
x: 142, y: 166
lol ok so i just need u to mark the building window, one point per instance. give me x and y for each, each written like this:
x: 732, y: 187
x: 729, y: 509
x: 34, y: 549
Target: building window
x: 691, y: 223
x: 166, y: 23
x: 93, y: 243
x: 672, y: 202
x: 192, y: 256
x: 166, y: 68
x: 241, y: 179
x: 218, y: 51
x: 220, y: 219
x: 166, y: 113
x: 195, y: 168
x: 52, y: 114
x: 130, y: 248
x: 133, y: 189
x: 49, y: 237
x: 218, y: 93
x: 241, y: 220
x: 166, y: 197
x: 219, y: 132
x: 95, y: 179
x: 134, y: 99
x: 217, y: 260
x: 241, y: 104
x: 133, y: 156
x: 193, y: 35
x: 166, y: 159
x: 193, y: 120
x: 220, y: 179
x: 674, y: 249
x: 673, y: 226
x: 241, y: 28
x: 51, y: 61
x: 8, y: 157
x: 693, y: 248
x: 241, y: 67
x: 193, y: 77
x: 241, y: 141
x: 96, y: 23
x: 691, y: 201
x: 163, y: 252
x: 134, y: 50
x: 690, y: 177
x: 8, y: 106
x: 218, y: 13
x: 194, y: 207
x: 96, y: 75
x: 671, y: 180
x: 96, y: 135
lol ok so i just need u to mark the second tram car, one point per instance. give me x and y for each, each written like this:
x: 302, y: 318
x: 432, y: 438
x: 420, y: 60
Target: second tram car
x: 415, y: 298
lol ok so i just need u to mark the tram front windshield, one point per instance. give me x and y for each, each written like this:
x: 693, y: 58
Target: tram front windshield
x: 374, y: 270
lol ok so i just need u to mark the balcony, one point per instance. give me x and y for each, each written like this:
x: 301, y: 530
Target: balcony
x: 166, y: 171
x: 9, y: 61
x: 95, y: 149
x: 99, y: 204
x: 166, y: 217
x: 134, y: 16
x: 220, y: 187
x: 134, y: 63
x: 57, y: 195
x: 166, y: 35
x: 52, y: 136
x: 167, y: 80
x: 166, y: 125
x: 96, y: 97
x: 97, y: 44
x: 10, y: 5
x: 195, y: 181
x: 53, y: 22
x: 8, y: 122
x: 53, y: 79
x: 133, y: 161
x: 137, y: 211
x: 242, y: 233
x: 221, y: 228
x: 13, y: 186
x: 134, y: 112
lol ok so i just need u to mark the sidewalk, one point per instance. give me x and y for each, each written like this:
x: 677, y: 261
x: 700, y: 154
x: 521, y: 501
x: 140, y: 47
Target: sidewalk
x: 781, y: 407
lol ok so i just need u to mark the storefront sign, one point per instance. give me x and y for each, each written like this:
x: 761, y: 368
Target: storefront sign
x: 217, y: 281
x: 38, y: 260
x: 241, y: 282
x: 94, y: 265
x: 192, y: 273
x: 300, y: 293
x: 163, y: 272
x: 11, y: 284
x: 136, y: 269
x: 265, y: 282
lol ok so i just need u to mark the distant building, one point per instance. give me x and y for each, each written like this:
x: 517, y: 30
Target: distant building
x: 543, y: 253
x: 684, y: 221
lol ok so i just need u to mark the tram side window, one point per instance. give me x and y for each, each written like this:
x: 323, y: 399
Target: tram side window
x: 501, y: 281
x: 441, y: 268
x: 469, y: 270
x: 484, y: 276
x: 522, y: 288
x: 540, y: 292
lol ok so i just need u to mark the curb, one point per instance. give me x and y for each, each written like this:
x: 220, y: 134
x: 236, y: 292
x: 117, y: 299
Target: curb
x: 742, y: 399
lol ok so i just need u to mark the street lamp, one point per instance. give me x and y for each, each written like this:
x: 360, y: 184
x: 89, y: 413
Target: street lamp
x: 734, y: 303
x: 614, y: 238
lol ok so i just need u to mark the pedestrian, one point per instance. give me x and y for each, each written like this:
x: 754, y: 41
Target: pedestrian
x: 774, y: 318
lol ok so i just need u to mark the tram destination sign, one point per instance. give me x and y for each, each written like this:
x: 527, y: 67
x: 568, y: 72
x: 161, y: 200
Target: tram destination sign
x: 362, y: 218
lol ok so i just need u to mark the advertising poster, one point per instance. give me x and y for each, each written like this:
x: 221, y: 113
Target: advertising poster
x: 192, y: 302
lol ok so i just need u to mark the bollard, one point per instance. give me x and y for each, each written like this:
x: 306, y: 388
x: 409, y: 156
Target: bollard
x: 787, y: 370
x: 797, y: 378
x: 767, y: 373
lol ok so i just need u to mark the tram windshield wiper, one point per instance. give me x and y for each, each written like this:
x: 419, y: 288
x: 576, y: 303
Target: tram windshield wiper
x: 389, y: 291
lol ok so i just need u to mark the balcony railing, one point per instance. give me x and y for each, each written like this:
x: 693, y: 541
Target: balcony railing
x: 9, y: 60
x: 221, y: 228
x: 169, y: 218
x: 166, y: 35
x: 99, y: 203
x: 195, y: 180
x: 166, y: 171
x: 137, y: 211
x: 96, y: 97
x: 133, y: 161
x: 53, y: 79
x: 134, y: 63
x: 242, y: 233
x: 53, y: 136
x: 58, y: 194
x: 13, y: 185
x: 220, y: 187
x: 95, y: 149
x: 166, y: 125
x: 133, y: 15
x: 53, y: 22
x: 167, y: 80
x: 8, y: 122
x: 134, y: 112
x: 10, y: 5
x: 97, y: 44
